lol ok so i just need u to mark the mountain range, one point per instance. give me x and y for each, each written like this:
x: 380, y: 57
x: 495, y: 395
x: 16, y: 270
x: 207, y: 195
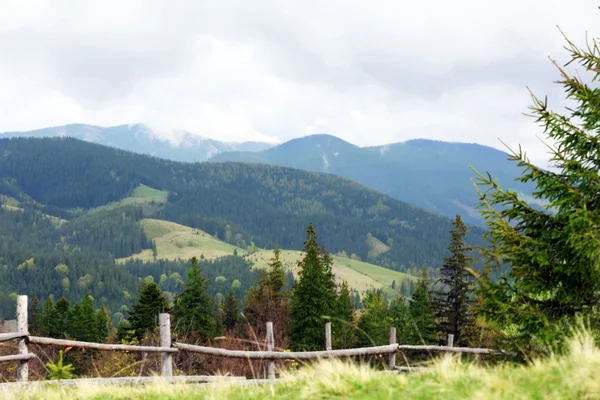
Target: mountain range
x: 139, y: 138
x: 79, y: 217
x: 433, y: 175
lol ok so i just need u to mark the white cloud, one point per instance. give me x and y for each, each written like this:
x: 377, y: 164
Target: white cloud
x: 369, y: 72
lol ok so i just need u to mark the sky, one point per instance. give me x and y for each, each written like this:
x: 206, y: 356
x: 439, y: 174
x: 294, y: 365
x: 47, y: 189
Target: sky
x: 370, y: 72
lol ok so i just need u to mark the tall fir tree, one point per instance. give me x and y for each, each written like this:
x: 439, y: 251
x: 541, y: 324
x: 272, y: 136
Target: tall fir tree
x: 193, y: 307
x: 402, y: 320
x: 275, y: 274
x: 34, y: 315
x: 423, y: 324
x: 267, y: 301
x: 453, y: 303
x: 143, y: 319
x: 553, y: 252
x: 63, y: 310
x: 313, y: 298
x: 48, y: 319
x: 84, y: 324
x: 343, y: 327
x: 230, y: 311
x: 102, y: 324
x: 374, y: 322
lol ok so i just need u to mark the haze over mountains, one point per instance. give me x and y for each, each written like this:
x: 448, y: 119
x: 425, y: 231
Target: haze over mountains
x: 139, y: 138
x: 433, y: 175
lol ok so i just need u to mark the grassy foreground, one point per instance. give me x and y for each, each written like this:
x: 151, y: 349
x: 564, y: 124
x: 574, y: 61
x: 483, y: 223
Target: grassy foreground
x: 574, y: 376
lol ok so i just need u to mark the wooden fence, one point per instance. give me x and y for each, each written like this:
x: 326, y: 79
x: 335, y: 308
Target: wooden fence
x: 167, y: 348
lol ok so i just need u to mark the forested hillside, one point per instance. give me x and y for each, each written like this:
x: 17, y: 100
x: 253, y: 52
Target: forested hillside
x: 70, y: 208
x: 240, y: 203
x: 434, y: 175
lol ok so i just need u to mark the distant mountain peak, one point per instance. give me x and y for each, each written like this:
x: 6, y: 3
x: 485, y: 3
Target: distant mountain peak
x: 178, y: 145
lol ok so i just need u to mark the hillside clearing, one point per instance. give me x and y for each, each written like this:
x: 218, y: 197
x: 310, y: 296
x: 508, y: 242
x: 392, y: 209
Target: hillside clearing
x: 376, y: 246
x: 141, y: 195
x: 360, y: 275
x: 175, y: 241
x: 569, y: 377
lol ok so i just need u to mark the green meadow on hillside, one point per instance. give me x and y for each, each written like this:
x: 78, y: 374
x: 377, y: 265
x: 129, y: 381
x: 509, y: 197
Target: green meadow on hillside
x: 141, y: 195
x: 174, y: 241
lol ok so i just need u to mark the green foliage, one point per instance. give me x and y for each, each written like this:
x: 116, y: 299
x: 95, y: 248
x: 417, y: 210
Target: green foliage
x: 193, y: 307
x: 402, y: 320
x: 275, y: 274
x: 313, y: 298
x: 59, y: 370
x: 267, y: 301
x: 453, y: 304
x: 143, y: 319
x: 255, y: 201
x: 554, y: 253
x: 374, y: 323
x: 80, y: 322
x: 343, y: 327
x: 230, y: 311
x: 423, y: 324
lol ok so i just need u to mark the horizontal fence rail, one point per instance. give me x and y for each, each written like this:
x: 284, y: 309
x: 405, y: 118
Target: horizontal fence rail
x: 18, y: 357
x: 278, y: 355
x: 167, y: 348
x: 99, y: 346
x: 5, y: 337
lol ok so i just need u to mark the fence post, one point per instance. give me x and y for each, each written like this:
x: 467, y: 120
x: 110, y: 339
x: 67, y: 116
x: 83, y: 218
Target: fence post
x: 392, y: 356
x: 328, y: 336
x: 23, y: 366
x: 166, y: 359
x: 270, y: 346
x: 450, y: 340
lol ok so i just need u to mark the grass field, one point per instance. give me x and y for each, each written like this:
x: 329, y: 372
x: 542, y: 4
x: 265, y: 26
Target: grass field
x: 376, y: 247
x: 175, y: 241
x: 574, y: 376
x: 360, y: 275
x: 142, y: 195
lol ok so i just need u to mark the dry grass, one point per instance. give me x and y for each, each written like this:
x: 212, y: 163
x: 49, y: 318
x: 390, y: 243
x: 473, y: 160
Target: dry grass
x: 573, y: 376
x: 174, y: 241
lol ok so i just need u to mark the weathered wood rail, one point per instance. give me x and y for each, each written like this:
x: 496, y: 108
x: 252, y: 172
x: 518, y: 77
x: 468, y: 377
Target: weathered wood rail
x: 167, y: 348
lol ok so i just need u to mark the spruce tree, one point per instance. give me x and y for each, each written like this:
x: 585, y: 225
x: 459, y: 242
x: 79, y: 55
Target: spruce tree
x: 144, y: 317
x: 102, y: 324
x: 34, y: 315
x: 231, y: 310
x: 374, y: 322
x: 48, y: 319
x: 402, y: 320
x: 275, y: 275
x: 268, y: 301
x: 63, y: 318
x: 452, y: 304
x: 553, y: 252
x: 312, y: 299
x: 343, y: 327
x: 193, y: 307
x: 423, y: 324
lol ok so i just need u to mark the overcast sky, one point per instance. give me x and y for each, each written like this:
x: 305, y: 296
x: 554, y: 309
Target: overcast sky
x: 370, y: 72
